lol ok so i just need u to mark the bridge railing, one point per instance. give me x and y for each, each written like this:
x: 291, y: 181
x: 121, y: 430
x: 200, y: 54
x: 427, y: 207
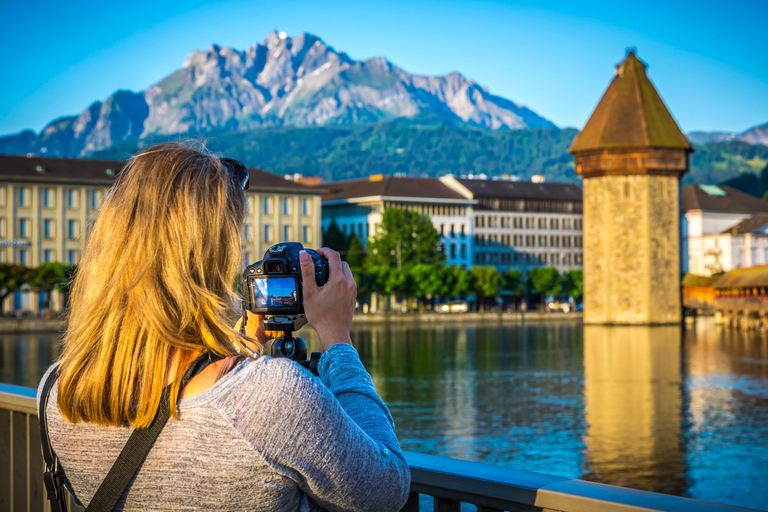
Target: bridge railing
x: 449, y: 482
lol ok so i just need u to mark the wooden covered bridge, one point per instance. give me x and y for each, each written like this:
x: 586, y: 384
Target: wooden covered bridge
x: 741, y: 298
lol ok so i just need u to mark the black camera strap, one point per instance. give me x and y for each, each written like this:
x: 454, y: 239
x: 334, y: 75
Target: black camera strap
x: 131, y: 457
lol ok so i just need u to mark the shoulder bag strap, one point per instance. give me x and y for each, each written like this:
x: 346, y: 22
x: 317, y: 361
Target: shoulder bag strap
x: 52, y: 477
x: 131, y: 457
x: 141, y: 441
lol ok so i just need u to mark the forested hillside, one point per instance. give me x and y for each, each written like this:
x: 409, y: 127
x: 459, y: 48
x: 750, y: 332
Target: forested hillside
x: 345, y: 152
x: 429, y: 148
x: 721, y: 161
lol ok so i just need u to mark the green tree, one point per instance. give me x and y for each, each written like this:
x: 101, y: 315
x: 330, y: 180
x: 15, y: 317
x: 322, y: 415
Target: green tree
x: 334, y: 238
x: 384, y: 280
x: 404, y: 238
x: 12, y: 278
x: 546, y: 281
x: 355, y: 253
x: 456, y: 282
x: 514, y: 281
x: 485, y: 282
x: 572, y: 283
x: 46, y: 278
x: 426, y: 280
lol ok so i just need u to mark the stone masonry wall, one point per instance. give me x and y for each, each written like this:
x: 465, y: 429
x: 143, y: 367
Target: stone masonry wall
x: 631, y: 250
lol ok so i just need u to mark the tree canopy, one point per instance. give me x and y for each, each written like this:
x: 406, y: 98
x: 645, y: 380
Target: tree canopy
x: 405, y: 238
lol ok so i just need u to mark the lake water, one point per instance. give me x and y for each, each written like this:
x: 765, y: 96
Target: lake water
x: 658, y: 409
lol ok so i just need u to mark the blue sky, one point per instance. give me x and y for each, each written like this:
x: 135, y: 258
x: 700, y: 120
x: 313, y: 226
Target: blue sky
x: 707, y: 58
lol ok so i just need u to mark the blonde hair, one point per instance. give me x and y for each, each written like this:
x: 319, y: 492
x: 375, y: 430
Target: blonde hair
x: 154, y: 286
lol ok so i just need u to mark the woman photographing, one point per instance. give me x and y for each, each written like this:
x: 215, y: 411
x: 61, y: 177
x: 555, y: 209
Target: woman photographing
x: 153, y: 295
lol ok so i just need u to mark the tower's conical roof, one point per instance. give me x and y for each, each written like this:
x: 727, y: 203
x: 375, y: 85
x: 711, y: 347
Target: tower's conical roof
x: 631, y: 114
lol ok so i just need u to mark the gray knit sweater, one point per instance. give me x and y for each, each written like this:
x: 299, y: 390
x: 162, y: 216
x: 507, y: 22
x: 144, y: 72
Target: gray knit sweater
x: 267, y: 436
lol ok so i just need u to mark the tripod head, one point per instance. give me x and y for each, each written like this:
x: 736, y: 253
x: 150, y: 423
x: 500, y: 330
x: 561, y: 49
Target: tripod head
x: 288, y: 345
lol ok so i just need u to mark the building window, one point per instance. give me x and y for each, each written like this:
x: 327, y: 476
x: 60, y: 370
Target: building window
x: 48, y: 228
x: 267, y: 205
x: 48, y: 198
x: 305, y: 234
x: 286, y: 233
x: 267, y: 233
x: 23, y: 228
x: 94, y: 199
x: 305, y: 206
x: 72, y: 257
x: 71, y: 229
x: 23, y: 256
x: 3, y: 230
x: 247, y: 233
x: 48, y: 255
x: 23, y: 196
x: 71, y: 198
x: 453, y: 250
x: 286, y: 206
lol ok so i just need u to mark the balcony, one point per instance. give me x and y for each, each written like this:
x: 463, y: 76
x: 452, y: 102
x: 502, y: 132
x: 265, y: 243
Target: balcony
x: 437, y: 483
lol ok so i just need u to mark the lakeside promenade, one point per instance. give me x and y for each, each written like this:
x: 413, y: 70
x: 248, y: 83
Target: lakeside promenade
x: 32, y: 324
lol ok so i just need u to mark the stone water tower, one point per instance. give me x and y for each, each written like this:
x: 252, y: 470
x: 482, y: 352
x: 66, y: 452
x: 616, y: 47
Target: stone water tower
x: 631, y: 155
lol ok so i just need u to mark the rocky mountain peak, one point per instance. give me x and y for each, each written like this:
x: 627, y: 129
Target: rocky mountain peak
x: 282, y: 81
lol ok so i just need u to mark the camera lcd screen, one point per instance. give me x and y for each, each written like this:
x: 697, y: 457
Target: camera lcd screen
x: 275, y: 292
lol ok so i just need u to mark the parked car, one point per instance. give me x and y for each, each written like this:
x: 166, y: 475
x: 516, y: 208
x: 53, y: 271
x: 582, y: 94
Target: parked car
x: 455, y: 306
x: 554, y: 305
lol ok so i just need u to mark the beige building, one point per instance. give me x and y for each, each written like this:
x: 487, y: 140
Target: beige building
x: 631, y: 154
x: 46, y: 204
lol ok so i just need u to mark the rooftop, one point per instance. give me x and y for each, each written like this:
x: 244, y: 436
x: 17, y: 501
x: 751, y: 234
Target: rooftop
x: 52, y: 170
x: 749, y: 225
x: 630, y: 115
x: 522, y: 190
x: 720, y: 198
x: 103, y: 172
x: 379, y: 186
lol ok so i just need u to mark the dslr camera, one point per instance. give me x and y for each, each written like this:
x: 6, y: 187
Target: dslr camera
x: 273, y: 287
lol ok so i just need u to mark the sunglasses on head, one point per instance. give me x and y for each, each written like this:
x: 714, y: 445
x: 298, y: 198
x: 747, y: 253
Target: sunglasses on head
x: 238, y: 170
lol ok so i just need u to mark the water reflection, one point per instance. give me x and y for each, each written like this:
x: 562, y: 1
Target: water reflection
x: 488, y: 394
x: 24, y: 357
x: 633, y: 378
x: 726, y: 440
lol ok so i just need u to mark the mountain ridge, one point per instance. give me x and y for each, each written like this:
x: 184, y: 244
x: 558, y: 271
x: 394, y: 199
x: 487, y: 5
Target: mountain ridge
x: 755, y: 135
x: 282, y: 81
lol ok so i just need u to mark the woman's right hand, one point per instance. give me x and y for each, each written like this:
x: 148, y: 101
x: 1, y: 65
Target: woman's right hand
x: 329, y: 308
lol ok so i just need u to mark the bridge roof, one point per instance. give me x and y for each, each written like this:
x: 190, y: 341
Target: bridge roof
x: 750, y: 277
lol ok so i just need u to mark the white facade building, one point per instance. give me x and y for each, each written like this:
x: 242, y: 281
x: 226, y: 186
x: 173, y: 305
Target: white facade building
x: 723, y: 229
x: 357, y: 206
